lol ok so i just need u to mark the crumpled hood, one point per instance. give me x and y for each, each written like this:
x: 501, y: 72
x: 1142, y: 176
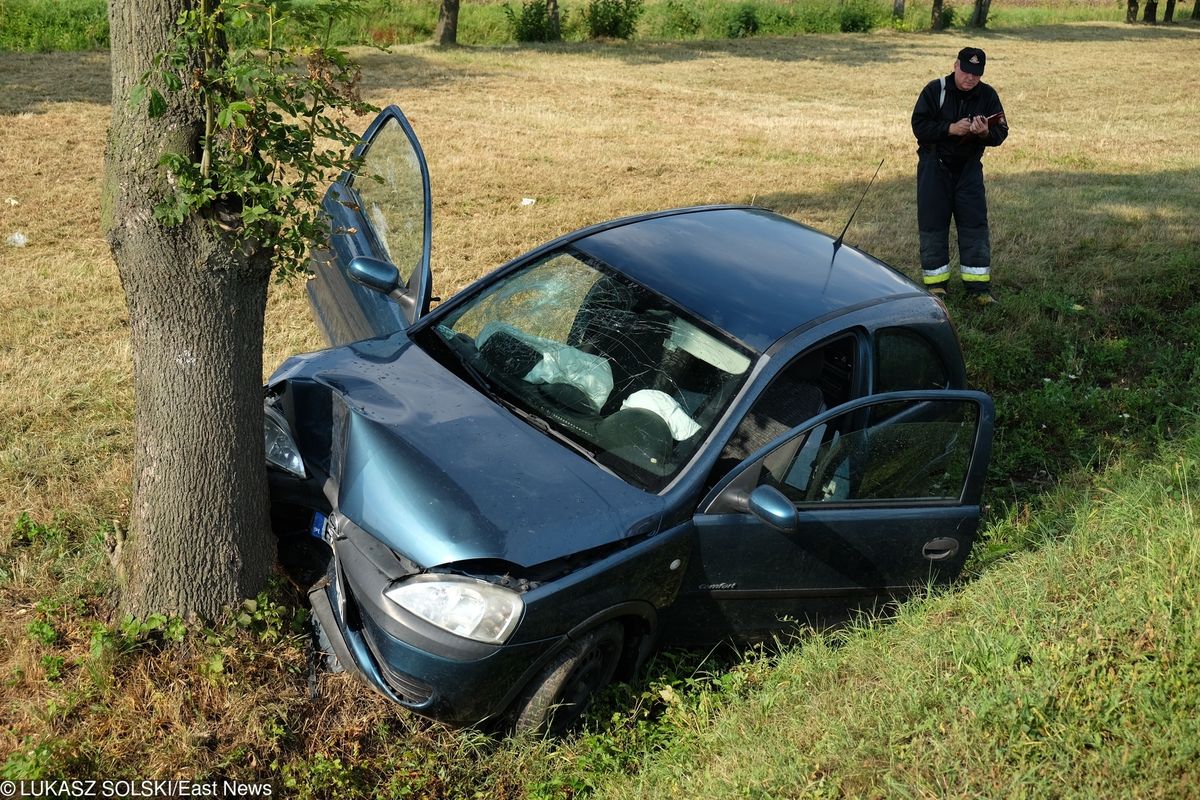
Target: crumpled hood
x: 440, y: 473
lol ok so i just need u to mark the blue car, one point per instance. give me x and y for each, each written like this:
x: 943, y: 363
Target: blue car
x: 677, y: 428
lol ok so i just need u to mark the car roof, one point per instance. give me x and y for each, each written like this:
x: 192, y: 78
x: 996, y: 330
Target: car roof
x: 750, y: 272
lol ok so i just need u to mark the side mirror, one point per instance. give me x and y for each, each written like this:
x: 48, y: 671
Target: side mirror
x: 382, y: 276
x: 772, y: 507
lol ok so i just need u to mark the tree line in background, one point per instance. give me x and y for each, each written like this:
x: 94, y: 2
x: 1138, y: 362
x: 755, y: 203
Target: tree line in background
x: 1151, y: 12
x: 52, y: 25
x: 543, y: 21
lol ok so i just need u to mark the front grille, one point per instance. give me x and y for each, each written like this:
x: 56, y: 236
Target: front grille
x: 409, y: 688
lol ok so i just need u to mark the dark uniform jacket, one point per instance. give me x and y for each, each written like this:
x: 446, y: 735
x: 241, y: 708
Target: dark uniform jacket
x: 931, y: 124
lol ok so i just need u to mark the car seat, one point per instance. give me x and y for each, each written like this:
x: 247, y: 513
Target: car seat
x: 793, y: 397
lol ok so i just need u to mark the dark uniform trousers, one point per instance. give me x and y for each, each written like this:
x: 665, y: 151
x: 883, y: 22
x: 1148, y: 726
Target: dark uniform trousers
x: 943, y: 192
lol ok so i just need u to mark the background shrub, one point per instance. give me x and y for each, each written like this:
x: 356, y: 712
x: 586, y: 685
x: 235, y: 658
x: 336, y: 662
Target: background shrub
x: 533, y: 23
x: 614, y: 19
x: 674, y: 19
x: 741, y: 21
x: 949, y: 14
x: 856, y: 17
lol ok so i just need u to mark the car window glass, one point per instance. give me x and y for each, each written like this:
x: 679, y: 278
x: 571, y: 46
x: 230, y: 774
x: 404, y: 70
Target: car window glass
x: 906, y: 360
x: 390, y: 189
x: 909, y: 450
x: 542, y: 302
x: 612, y: 366
x: 817, y: 379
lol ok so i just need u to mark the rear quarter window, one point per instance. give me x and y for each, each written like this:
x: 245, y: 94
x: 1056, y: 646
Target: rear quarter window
x: 906, y: 360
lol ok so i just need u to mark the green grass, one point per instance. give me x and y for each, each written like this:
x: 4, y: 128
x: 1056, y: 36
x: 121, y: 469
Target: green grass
x: 40, y: 26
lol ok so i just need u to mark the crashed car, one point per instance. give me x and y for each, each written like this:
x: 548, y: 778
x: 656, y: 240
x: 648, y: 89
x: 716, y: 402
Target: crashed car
x: 670, y: 429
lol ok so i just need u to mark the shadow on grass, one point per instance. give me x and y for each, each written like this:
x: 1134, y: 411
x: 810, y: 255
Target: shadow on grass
x: 29, y: 82
x: 32, y: 82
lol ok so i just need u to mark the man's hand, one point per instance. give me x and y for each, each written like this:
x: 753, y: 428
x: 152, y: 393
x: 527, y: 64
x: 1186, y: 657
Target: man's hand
x: 963, y: 127
x: 979, y: 126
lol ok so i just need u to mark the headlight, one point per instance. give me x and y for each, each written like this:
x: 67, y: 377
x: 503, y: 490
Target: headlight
x: 467, y: 607
x: 281, y: 449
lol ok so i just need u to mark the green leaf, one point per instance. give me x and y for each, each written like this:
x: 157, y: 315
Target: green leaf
x: 158, y: 104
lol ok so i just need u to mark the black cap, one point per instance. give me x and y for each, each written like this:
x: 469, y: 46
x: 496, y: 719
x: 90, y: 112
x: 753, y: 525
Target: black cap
x: 971, y: 60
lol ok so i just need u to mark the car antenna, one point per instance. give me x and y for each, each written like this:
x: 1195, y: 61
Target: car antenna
x: 838, y: 241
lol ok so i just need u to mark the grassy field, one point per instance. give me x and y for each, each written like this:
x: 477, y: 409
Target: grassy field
x: 1093, y: 356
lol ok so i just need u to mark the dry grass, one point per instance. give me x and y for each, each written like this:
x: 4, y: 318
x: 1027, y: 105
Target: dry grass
x: 1100, y: 152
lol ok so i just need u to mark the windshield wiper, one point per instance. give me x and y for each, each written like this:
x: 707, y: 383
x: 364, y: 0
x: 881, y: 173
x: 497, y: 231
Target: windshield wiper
x: 464, y: 350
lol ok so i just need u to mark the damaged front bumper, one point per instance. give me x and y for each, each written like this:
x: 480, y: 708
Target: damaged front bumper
x: 405, y: 659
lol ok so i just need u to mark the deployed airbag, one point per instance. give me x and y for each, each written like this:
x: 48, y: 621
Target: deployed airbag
x: 559, y: 363
x: 682, y: 426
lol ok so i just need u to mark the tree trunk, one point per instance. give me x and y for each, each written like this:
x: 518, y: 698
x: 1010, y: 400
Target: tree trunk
x: 979, y: 14
x: 552, y: 17
x: 1131, y: 10
x: 1169, y: 11
x: 1151, y: 13
x: 1196, y: 10
x: 897, y: 9
x: 199, y: 535
x: 936, y: 22
x: 446, y: 33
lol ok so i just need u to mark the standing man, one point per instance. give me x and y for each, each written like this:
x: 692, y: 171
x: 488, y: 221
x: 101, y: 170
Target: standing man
x: 955, y: 118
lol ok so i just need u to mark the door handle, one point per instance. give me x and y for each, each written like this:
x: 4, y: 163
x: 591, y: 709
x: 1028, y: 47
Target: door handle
x: 940, y: 549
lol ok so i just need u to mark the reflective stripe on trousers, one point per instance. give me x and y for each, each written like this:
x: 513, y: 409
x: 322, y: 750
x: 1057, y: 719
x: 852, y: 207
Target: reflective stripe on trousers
x: 933, y: 277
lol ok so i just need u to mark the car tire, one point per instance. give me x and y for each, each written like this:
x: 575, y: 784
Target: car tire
x: 554, y: 702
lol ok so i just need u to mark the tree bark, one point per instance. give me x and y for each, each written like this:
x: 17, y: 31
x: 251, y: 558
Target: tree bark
x: 446, y: 32
x: 1169, y: 11
x: 935, y: 16
x: 897, y: 9
x: 1196, y: 10
x: 199, y: 535
x: 1131, y: 10
x: 553, y: 19
x: 979, y: 14
x: 1151, y: 13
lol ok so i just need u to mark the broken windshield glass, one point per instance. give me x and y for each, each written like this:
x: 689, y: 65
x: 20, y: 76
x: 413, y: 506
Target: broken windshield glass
x: 615, y: 367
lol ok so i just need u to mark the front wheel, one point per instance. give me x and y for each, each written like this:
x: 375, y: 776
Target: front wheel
x: 554, y: 701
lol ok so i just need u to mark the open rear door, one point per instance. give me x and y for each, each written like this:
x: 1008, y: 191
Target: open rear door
x: 381, y: 211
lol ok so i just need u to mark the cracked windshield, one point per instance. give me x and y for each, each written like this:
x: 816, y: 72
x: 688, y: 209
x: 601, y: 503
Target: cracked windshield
x: 604, y: 364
